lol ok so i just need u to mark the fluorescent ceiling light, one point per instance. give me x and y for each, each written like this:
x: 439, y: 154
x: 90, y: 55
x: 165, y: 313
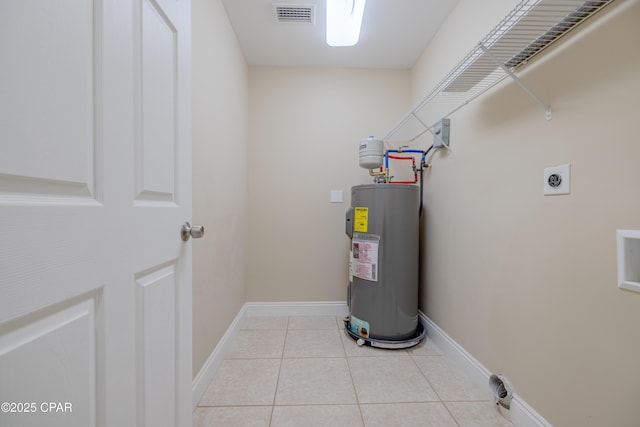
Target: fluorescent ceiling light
x: 344, y: 19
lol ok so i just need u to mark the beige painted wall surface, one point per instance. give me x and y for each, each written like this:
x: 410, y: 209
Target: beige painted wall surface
x: 527, y: 283
x: 220, y: 137
x: 305, y: 128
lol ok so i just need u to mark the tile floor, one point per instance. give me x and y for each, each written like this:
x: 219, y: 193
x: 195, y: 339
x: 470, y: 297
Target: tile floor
x: 305, y: 371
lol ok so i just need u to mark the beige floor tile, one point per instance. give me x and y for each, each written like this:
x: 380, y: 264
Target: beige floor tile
x: 425, y: 348
x: 353, y: 350
x: 394, y: 379
x: 243, y: 382
x: 448, y: 382
x: 477, y: 414
x: 257, y: 344
x: 244, y: 416
x: 312, y: 322
x: 316, y: 416
x: 431, y: 414
x: 315, y: 382
x: 309, y: 343
x: 265, y: 322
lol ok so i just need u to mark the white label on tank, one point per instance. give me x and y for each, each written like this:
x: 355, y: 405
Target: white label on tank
x: 365, y: 258
x: 350, y: 266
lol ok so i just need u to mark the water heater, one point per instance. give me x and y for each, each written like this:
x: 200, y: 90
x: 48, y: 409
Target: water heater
x: 383, y: 224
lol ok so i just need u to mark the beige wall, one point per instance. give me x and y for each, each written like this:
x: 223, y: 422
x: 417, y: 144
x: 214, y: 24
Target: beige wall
x: 220, y: 136
x: 305, y: 129
x: 526, y: 283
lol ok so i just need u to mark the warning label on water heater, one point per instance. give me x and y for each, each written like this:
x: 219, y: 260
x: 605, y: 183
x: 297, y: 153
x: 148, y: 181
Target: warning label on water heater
x: 361, y: 219
x: 364, y: 263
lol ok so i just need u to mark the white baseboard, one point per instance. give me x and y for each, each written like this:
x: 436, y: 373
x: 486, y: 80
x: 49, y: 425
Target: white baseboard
x: 306, y: 308
x: 522, y: 415
x: 206, y: 373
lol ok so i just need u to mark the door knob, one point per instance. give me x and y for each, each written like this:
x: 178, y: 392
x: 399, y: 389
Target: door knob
x: 188, y: 230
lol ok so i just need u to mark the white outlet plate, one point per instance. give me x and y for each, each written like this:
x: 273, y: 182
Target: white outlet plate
x: 564, y: 172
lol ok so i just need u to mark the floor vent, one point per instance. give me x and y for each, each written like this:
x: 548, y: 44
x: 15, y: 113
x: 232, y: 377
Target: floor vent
x: 295, y: 13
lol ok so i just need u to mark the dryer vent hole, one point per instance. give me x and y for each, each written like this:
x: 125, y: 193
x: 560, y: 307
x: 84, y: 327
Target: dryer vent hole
x: 502, y: 393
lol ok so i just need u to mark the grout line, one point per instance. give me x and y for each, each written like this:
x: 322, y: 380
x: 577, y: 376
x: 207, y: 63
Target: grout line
x: 450, y: 413
x: 426, y: 378
x: 343, y: 404
x: 293, y: 405
x: 353, y: 383
x: 275, y: 392
x: 286, y: 335
x: 236, y: 406
x: 434, y: 389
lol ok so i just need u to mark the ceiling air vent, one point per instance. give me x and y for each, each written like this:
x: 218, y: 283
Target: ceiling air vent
x: 295, y: 13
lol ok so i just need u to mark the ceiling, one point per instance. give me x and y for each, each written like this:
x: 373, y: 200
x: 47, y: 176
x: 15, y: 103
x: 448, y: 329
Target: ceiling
x: 394, y: 34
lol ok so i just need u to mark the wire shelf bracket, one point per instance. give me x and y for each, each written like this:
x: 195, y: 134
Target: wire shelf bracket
x: 523, y: 86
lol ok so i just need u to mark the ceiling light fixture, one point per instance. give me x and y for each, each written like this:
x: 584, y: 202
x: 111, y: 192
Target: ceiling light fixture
x: 344, y: 19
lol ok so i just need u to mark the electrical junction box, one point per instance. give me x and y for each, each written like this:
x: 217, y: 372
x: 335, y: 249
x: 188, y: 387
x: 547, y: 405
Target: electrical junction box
x: 441, y: 133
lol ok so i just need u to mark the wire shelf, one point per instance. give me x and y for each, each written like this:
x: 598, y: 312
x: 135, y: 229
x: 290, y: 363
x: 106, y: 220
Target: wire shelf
x: 527, y: 30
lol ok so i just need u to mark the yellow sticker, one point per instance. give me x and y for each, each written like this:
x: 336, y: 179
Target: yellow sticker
x: 361, y: 220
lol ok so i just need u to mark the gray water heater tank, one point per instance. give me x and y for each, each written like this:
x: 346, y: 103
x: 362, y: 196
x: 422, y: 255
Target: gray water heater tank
x: 383, y: 224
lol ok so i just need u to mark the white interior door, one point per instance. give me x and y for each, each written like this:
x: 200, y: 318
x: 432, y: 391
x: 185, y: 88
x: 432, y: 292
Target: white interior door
x: 95, y: 161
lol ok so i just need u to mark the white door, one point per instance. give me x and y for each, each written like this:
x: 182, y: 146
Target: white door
x: 95, y: 166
